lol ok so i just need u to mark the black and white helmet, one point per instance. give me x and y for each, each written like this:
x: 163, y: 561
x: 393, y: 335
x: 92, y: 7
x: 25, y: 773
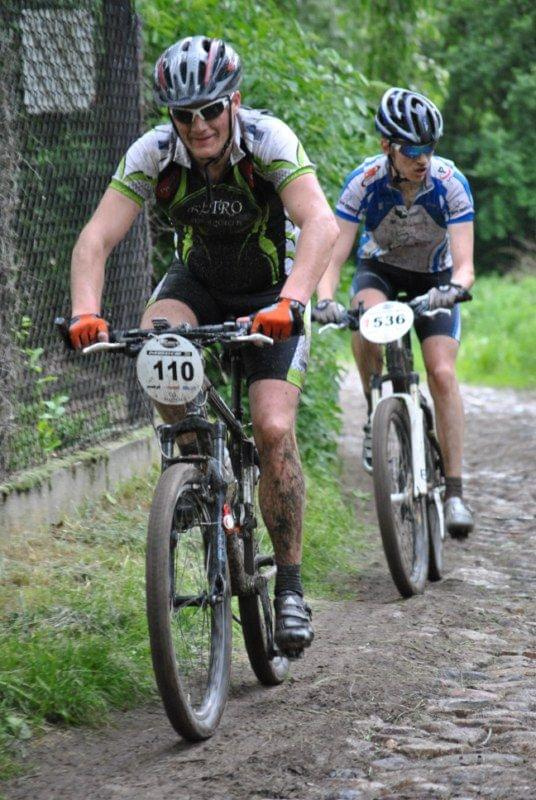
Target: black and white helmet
x: 408, y: 117
x: 196, y: 70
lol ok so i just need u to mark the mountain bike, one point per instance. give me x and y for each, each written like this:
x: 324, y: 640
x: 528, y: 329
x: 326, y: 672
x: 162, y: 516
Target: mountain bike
x: 407, y: 465
x: 203, y: 546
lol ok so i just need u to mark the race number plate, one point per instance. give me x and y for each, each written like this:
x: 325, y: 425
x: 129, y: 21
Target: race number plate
x: 386, y: 322
x: 170, y: 369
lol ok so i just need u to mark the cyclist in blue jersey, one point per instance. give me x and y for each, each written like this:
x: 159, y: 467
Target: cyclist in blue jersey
x: 416, y: 211
x: 253, y: 234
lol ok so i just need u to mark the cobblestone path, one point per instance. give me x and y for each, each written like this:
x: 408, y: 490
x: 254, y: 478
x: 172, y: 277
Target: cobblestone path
x: 472, y: 731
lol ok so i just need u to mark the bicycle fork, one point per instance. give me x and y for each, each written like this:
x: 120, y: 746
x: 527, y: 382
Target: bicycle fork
x: 416, y: 419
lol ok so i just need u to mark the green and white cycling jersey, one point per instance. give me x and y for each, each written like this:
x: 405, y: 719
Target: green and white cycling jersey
x: 238, y: 239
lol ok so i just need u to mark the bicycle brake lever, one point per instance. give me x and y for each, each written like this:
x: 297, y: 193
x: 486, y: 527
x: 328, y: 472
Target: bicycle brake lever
x: 435, y: 311
x: 254, y: 337
x: 464, y: 296
x: 94, y: 348
x: 328, y: 325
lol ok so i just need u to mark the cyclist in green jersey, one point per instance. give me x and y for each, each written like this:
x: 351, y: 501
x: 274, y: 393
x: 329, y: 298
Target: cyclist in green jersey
x: 253, y: 234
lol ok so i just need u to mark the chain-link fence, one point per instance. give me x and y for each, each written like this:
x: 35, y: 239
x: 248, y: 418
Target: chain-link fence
x: 69, y: 108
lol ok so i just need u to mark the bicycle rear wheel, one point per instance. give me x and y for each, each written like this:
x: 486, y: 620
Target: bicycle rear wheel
x: 434, y: 470
x: 401, y: 517
x: 190, y: 632
x: 258, y: 624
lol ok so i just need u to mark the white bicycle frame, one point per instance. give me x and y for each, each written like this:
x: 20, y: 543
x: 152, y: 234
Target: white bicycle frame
x: 394, y: 322
x: 416, y: 419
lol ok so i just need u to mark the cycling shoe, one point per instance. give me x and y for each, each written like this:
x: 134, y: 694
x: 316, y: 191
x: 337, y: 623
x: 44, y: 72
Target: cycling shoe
x: 458, y: 518
x: 293, y: 629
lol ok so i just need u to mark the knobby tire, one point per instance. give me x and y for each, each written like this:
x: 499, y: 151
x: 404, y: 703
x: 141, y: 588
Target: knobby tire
x: 190, y: 638
x: 401, y: 517
x: 270, y: 667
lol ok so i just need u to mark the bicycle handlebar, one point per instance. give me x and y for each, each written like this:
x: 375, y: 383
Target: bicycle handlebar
x: 352, y: 315
x: 131, y: 341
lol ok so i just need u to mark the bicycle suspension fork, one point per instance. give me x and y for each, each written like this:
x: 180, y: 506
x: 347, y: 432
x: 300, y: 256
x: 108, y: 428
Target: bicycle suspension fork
x: 217, y: 567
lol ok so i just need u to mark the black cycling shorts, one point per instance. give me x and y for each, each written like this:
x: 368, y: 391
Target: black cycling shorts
x: 373, y: 274
x: 286, y: 360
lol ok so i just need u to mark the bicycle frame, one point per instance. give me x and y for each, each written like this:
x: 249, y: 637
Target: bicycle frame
x: 398, y: 355
x: 230, y: 420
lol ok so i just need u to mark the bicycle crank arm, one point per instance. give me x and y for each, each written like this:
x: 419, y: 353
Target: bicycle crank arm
x: 183, y: 601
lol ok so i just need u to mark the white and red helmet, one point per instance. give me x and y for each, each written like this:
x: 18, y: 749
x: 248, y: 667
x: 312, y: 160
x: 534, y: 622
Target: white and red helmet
x: 196, y: 70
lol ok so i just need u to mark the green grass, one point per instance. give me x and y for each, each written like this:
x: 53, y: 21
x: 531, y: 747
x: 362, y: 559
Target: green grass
x: 498, y: 334
x: 73, y: 633
x: 333, y: 538
x: 73, y: 636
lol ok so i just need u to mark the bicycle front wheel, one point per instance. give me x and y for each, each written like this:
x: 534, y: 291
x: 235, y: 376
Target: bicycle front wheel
x: 401, y: 516
x: 189, y: 629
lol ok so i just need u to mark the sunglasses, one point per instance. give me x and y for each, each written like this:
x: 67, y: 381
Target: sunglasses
x: 414, y: 150
x: 207, y: 112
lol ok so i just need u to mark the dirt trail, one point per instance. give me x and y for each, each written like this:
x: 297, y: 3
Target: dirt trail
x: 434, y: 697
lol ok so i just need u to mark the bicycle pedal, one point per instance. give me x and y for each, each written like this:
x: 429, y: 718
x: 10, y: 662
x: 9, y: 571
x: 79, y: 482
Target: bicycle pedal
x: 461, y: 534
x: 294, y: 655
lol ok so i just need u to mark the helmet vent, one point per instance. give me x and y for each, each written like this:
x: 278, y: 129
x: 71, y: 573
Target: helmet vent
x: 196, y: 70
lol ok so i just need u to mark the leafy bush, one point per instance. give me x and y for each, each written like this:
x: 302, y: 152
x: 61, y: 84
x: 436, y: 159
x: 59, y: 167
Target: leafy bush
x: 492, y: 100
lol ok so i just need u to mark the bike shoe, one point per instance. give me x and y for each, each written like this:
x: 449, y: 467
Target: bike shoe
x: 367, y: 446
x: 458, y: 518
x: 293, y: 629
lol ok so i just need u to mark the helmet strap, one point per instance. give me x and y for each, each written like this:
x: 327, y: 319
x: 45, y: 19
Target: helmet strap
x: 397, y: 178
x: 218, y: 157
x: 215, y: 158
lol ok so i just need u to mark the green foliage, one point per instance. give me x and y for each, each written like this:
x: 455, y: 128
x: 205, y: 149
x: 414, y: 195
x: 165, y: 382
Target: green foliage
x: 490, y: 111
x: 319, y: 417
x: 42, y: 419
x: 387, y: 40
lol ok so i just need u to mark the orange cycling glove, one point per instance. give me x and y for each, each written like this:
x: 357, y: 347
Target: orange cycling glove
x: 280, y: 321
x: 85, y: 328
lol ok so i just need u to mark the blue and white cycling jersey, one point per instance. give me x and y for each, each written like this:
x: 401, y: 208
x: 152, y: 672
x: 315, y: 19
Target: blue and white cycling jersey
x: 414, y: 238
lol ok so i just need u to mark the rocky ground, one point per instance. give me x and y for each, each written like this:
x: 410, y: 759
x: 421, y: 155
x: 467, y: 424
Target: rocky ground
x: 433, y: 697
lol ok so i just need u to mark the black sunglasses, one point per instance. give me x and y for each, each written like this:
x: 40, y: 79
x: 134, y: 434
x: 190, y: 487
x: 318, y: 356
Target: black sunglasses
x: 207, y: 112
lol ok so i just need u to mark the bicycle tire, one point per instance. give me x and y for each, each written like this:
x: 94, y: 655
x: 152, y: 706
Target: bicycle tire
x: 257, y: 618
x: 435, y: 481
x: 401, y: 517
x: 190, y: 637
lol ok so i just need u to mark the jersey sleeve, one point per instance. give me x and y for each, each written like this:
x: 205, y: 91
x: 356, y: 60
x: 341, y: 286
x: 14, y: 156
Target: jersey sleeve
x: 459, y: 200
x: 351, y: 200
x: 136, y: 175
x: 278, y: 154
